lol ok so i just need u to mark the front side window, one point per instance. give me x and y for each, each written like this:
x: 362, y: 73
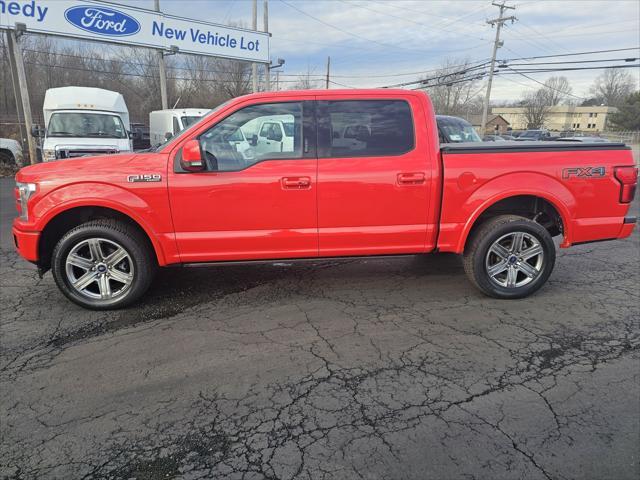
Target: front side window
x: 367, y: 128
x: 254, y: 134
x: 83, y: 124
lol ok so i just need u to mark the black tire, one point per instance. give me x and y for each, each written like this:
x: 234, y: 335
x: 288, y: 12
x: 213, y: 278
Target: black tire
x: 476, y: 259
x: 139, y: 265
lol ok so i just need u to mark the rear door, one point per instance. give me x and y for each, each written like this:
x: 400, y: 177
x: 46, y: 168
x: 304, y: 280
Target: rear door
x: 373, y: 190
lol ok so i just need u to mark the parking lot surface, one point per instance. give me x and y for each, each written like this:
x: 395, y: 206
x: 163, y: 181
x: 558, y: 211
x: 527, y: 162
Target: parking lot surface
x: 377, y: 369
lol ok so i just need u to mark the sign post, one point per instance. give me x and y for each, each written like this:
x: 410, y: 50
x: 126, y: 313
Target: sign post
x: 14, y: 46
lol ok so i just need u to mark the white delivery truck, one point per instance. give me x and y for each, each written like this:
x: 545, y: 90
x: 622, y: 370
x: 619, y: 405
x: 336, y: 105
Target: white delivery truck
x: 82, y: 121
x: 164, y: 124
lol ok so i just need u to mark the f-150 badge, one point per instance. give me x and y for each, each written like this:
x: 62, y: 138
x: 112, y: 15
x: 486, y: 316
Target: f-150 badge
x: 145, y: 177
x: 583, y: 172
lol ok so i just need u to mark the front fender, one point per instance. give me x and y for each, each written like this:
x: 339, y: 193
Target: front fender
x: 461, y: 209
x: 152, y: 214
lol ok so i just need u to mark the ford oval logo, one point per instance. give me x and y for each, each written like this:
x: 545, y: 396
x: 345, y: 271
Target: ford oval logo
x: 102, y: 20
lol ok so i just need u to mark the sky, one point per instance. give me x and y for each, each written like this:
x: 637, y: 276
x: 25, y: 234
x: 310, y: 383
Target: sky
x: 375, y: 43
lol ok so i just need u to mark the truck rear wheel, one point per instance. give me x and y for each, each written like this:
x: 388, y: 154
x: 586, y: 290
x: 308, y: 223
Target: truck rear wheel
x: 103, y: 264
x: 509, y: 257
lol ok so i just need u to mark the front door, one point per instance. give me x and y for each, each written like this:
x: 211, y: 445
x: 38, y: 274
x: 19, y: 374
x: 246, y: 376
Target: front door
x: 374, y: 178
x: 249, y: 203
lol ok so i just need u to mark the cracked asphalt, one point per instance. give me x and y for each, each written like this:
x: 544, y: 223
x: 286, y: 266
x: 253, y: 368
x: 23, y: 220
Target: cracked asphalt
x: 371, y: 369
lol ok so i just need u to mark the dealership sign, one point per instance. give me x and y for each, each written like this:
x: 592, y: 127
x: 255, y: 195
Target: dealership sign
x: 133, y: 26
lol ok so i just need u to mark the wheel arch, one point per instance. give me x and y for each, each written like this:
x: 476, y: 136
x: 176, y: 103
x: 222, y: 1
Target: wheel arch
x: 66, y: 219
x: 513, y: 203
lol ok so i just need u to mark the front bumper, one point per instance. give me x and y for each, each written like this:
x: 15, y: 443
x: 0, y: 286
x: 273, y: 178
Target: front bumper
x: 26, y: 243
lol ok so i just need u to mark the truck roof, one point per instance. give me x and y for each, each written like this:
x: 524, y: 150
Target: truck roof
x: 83, y: 98
x: 185, y: 111
x: 374, y: 92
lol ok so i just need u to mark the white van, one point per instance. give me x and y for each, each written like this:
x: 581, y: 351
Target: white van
x: 164, y: 124
x: 81, y: 121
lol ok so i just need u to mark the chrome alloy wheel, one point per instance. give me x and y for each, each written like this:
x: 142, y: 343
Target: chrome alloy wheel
x: 99, y: 269
x: 514, y: 260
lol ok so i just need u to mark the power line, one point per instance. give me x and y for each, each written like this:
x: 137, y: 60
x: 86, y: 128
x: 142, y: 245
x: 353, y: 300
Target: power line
x: 347, y: 32
x: 572, y: 54
x: 545, y: 85
x: 573, y: 61
x: 430, y: 26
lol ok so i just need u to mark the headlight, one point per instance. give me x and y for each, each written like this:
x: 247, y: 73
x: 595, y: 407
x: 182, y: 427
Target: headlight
x: 24, y: 192
x: 48, y: 155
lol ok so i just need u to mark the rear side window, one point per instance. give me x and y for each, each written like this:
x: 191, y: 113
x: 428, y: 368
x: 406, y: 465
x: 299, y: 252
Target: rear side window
x: 365, y: 128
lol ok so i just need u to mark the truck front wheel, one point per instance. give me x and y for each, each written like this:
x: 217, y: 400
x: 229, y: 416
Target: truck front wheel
x: 103, y: 264
x: 509, y: 257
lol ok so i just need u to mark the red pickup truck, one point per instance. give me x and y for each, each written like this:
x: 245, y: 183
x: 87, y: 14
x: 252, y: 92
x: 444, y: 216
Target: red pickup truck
x: 359, y: 173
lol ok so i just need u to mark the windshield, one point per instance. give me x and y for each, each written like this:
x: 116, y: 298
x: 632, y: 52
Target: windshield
x: 84, y: 124
x: 187, y: 121
x: 458, y: 131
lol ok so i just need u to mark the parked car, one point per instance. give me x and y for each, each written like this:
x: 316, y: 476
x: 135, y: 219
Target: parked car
x: 508, y: 137
x: 10, y: 152
x: 104, y: 227
x: 583, y: 139
x: 534, y: 135
x: 492, y: 138
x: 455, y: 130
x: 140, y: 136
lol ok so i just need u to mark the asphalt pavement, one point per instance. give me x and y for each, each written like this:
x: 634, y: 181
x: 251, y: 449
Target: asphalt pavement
x: 372, y: 369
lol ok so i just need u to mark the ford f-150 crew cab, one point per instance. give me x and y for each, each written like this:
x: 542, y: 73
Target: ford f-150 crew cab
x: 104, y: 227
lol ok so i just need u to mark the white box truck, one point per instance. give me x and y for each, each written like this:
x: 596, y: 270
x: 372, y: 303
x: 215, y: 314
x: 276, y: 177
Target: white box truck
x: 82, y: 121
x: 164, y: 124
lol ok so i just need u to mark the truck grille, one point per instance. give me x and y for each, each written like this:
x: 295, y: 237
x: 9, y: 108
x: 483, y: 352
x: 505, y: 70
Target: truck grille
x: 73, y: 153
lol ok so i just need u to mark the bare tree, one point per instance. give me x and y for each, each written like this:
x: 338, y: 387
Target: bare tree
x: 612, y: 87
x: 454, y: 88
x: 306, y: 81
x: 536, y: 108
x: 557, y: 89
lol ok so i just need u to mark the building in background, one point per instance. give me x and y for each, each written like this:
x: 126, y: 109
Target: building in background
x: 496, y: 124
x: 560, y: 118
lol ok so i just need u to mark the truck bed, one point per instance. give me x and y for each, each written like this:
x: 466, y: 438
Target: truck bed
x: 533, y: 146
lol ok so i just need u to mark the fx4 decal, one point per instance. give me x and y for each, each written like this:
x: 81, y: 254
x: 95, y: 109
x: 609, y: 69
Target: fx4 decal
x: 145, y: 177
x: 583, y: 172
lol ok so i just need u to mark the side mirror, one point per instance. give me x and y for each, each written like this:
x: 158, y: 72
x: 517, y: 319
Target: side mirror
x: 36, y: 131
x: 168, y: 135
x: 191, y: 160
x: 254, y: 140
x: 130, y: 133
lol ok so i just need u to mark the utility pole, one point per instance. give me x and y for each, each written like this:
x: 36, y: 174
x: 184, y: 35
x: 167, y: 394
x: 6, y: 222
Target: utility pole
x: 328, y: 69
x: 14, y: 44
x: 254, y: 65
x: 498, y: 22
x: 162, y: 70
x: 267, y: 66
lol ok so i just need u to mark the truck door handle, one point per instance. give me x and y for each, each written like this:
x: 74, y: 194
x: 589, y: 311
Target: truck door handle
x: 296, y: 183
x: 413, y: 178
